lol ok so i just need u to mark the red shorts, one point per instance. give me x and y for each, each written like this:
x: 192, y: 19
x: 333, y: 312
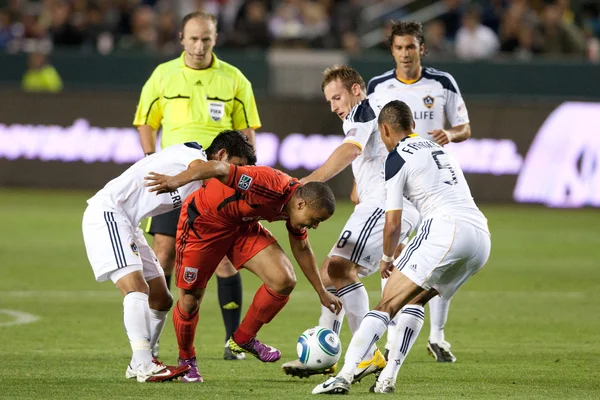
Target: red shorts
x: 201, y: 247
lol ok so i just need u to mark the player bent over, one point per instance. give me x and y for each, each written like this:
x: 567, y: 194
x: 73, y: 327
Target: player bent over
x: 357, y: 252
x: 222, y: 219
x: 117, y: 249
x: 452, y: 243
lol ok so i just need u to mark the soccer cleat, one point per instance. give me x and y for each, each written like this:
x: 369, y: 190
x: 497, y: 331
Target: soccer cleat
x: 299, y: 369
x: 372, y: 366
x: 259, y: 350
x: 160, y: 373
x: 229, y: 355
x: 385, y: 386
x: 333, y: 385
x: 131, y: 373
x: 192, y: 375
x: 440, y: 351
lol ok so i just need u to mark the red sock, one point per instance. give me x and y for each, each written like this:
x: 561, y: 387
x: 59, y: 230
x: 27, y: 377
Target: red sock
x: 265, y: 306
x: 185, y: 330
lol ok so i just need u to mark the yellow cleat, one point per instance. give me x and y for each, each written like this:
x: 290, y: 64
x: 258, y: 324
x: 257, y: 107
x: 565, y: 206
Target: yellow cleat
x: 372, y: 366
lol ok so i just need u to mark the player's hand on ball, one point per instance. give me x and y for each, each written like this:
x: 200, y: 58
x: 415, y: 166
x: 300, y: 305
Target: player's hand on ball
x: 330, y: 301
x: 441, y: 136
x: 385, y: 268
x: 159, y: 183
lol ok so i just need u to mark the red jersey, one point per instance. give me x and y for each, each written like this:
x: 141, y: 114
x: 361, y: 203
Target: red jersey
x: 250, y: 194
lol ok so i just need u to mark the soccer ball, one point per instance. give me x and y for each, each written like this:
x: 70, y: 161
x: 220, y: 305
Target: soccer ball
x: 319, y: 348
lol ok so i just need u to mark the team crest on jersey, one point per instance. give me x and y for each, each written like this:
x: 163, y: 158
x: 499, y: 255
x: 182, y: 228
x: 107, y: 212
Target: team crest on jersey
x: 216, y: 110
x: 428, y: 101
x: 244, y: 182
x: 190, y: 274
x: 134, y: 248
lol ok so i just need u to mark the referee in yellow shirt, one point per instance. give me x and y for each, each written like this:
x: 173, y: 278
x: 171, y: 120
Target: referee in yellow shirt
x: 193, y: 98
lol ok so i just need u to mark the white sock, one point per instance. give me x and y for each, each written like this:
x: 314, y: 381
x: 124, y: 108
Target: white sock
x: 438, y: 315
x: 371, y: 329
x: 137, y: 325
x: 356, y: 303
x: 391, y: 332
x: 157, y: 323
x: 328, y: 319
x: 410, y: 322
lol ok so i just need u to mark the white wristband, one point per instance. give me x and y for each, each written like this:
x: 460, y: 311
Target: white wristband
x: 385, y: 258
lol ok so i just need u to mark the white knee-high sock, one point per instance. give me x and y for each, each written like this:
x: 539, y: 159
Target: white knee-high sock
x: 371, y: 329
x: 328, y: 319
x: 410, y: 323
x: 438, y: 315
x: 356, y: 303
x: 137, y: 325
x: 157, y: 323
x: 391, y: 332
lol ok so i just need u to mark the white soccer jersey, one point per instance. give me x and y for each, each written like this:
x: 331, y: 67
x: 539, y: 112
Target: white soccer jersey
x: 127, y: 194
x: 360, y: 128
x: 433, y: 99
x: 432, y: 180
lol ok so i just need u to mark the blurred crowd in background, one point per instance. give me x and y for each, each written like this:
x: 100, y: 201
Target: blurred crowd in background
x: 453, y: 28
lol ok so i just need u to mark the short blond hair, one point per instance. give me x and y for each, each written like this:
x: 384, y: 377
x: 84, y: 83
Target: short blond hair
x: 348, y: 76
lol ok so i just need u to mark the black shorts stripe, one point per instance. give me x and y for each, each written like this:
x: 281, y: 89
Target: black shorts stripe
x: 363, y: 237
x: 414, y: 245
x: 115, y: 239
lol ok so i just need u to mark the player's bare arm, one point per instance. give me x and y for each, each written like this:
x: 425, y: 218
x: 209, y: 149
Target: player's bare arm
x: 308, y: 264
x: 391, y: 237
x: 198, y: 170
x: 250, y: 134
x: 337, y: 161
x: 354, y: 194
x: 455, y: 134
x: 147, y: 138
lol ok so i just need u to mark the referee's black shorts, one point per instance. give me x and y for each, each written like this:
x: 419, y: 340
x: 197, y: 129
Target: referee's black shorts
x: 164, y: 224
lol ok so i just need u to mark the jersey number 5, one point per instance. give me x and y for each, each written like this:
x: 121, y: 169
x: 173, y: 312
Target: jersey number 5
x: 442, y: 163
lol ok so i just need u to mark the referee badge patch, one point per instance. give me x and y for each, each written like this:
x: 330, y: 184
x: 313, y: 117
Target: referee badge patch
x: 244, y: 182
x: 190, y: 274
x: 216, y: 110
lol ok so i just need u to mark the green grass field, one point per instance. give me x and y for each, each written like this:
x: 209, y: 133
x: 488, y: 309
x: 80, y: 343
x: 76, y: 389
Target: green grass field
x: 526, y: 326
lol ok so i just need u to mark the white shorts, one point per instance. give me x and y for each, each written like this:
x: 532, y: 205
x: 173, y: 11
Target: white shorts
x: 444, y: 254
x: 115, y: 247
x: 361, y: 240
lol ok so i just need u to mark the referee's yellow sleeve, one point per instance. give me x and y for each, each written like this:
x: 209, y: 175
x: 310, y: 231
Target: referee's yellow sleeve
x: 245, y: 112
x: 149, y: 110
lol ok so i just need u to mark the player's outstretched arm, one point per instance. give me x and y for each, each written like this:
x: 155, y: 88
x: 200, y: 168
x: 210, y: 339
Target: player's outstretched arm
x: 308, y: 264
x: 456, y: 134
x: 198, y: 170
x: 337, y: 161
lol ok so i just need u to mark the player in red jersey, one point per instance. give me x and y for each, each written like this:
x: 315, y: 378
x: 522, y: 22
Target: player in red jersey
x: 222, y: 219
